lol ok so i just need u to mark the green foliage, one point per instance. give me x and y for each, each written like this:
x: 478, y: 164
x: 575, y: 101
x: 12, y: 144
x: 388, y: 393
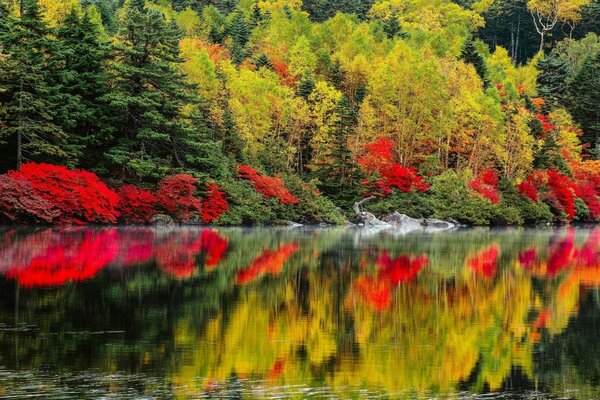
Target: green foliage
x: 414, y: 204
x: 246, y: 206
x: 451, y: 199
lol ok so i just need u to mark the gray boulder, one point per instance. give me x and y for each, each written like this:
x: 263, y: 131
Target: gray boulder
x: 162, y: 220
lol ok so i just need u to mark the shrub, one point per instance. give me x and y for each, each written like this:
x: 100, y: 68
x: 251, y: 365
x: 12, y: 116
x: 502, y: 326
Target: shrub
x: 563, y: 190
x: 136, y: 205
x: 215, y: 203
x: 80, y: 196
x: 385, y: 174
x: 486, y: 186
x: 19, y: 202
x: 587, y: 192
x: 270, y: 187
x: 176, y: 195
x: 246, y: 205
x: 451, y: 199
x: 416, y: 204
x: 528, y: 190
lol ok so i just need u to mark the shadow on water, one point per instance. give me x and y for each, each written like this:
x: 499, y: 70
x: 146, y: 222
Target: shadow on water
x: 191, y: 313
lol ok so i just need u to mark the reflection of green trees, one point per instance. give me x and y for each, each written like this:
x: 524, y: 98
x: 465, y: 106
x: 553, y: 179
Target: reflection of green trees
x: 308, y: 324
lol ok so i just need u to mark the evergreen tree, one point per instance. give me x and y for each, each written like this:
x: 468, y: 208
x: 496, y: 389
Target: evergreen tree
x: 584, y: 101
x: 27, y: 112
x: 150, y: 135
x: 552, y: 80
x: 306, y: 87
x: 239, y: 31
x: 470, y: 55
x: 79, y: 72
x: 335, y: 169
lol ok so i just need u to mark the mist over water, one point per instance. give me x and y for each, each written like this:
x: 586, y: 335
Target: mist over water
x: 191, y: 313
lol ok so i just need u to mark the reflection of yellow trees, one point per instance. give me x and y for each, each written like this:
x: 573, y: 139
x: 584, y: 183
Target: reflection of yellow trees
x: 439, y: 338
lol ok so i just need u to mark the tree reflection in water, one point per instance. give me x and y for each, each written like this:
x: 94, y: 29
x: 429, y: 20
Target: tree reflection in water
x: 430, y: 315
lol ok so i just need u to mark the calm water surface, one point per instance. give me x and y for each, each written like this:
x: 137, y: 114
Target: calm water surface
x: 185, y: 313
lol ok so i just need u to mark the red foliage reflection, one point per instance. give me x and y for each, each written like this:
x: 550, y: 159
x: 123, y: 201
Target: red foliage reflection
x: 401, y: 269
x: 373, y: 291
x: 485, y: 263
x: 70, y: 261
x: 270, y: 262
x: 561, y: 253
x: 56, y: 256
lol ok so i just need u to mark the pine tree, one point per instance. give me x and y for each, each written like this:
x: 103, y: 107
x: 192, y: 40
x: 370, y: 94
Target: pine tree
x: 584, y: 102
x: 150, y: 135
x: 335, y: 169
x: 552, y: 80
x: 239, y: 31
x: 306, y: 87
x: 79, y: 71
x: 470, y: 55
x: 27, y: 113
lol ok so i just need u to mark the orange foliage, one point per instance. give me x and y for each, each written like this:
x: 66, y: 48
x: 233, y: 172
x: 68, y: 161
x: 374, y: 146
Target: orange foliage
x: 270, y: 262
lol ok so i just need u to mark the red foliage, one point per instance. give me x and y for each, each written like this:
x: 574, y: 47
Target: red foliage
x: 136, y: 205
x: 528, y: 189
x: 563, y: 190
x: 176, y: 195
x: 587, y: 192
x: 277, y: 369
x: 72, y: 260
x: 79, y: 195
x: 270, y: 262
x: 19, y: 202
x: 283, y: 70
x: 374, y: 292
x: 485, y: 263
x: 215, y: 247
x: 546, y: 125
x: 378, y: 161
x: 215, y: 204
x: 588, y: 171
x: 401, y: 269
x: 270, y: 187
x: 486, y: 186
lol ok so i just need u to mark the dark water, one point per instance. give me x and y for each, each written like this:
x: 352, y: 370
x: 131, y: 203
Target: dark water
x: 189, y: 313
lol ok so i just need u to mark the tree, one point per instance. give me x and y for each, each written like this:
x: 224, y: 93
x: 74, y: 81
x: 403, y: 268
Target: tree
x: 78, y: 69
x: 547, y: 13
x: 552, y: 79
x: 585, y: 107
x: 149, y: 132
x: 28, y: 112
x: 471, y: 56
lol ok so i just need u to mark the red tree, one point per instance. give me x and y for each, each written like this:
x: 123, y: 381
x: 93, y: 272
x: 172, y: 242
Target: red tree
x: 587, y: 192
x: 215, y: 203
x: 176, y: 195
x: 270, y: 187
x: 528, y: 189
x: 385, y: 174
x: 563, y: 190
x: 136, y: 205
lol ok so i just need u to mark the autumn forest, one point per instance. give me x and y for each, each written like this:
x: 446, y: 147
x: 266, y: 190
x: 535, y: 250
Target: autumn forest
x: 232, y: 112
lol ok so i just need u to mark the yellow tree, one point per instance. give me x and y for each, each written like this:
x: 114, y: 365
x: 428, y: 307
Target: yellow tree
x: 547, y: 13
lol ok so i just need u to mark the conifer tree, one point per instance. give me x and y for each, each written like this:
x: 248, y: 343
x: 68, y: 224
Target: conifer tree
x: 79, y: 71
x: 552, y: 80
x: 335, y: 169
x: 471, y: 56
x: 30, y: 131
x: 584, y: 101
x: 150, y: 134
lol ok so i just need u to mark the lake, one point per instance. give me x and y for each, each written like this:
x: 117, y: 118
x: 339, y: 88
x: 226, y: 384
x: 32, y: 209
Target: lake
x: 189, y: 313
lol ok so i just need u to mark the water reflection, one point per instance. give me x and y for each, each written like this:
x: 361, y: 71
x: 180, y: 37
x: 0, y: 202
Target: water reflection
x: 192, y: 312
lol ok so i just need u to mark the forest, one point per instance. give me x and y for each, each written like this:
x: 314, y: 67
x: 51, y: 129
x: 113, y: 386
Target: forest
x: 233, y: 112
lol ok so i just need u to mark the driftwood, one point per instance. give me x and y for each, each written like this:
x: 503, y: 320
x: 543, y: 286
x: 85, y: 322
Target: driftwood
x: 367, y: 218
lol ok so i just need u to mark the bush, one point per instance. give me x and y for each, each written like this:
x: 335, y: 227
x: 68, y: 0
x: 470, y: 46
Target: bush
x: 451, y: 199
x: 312, y: 208
x: 215, y: 203
x: 19, y: 202
x: 176, y: 195
x: 270, y: 187
x: 80, y: 196
x: 136, y: 205
x: 416, y: 204
x: 246, y: 206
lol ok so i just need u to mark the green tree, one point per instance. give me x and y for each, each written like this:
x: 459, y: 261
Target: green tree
x: 150, y: 134
x: 584, y: 92
x: 30, y: 131
x: 80, y: 73
x: 552, y: 79
x: 470, y: 55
